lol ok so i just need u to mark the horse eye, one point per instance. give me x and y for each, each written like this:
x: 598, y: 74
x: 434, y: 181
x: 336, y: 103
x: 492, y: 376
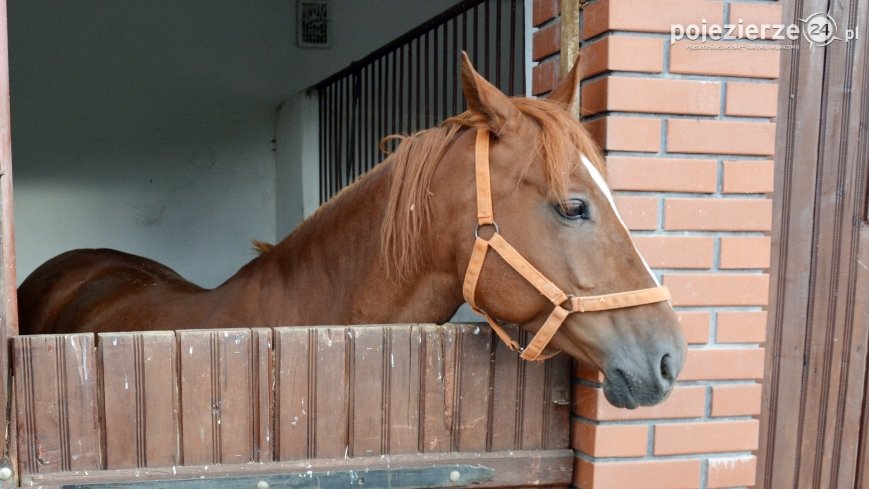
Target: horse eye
x: 573, y: 209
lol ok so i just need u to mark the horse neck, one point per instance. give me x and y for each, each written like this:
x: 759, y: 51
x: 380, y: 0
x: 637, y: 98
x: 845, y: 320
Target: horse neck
x: 330, y: 270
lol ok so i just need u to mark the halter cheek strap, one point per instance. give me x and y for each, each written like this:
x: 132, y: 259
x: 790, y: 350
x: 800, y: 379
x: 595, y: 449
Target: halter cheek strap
x: 564, y: 304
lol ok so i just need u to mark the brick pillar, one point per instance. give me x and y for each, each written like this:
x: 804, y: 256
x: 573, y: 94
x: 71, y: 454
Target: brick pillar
x: 689, y: 139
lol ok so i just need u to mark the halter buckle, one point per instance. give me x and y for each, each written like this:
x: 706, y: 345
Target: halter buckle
x: 568, y: 303
x: 483, y: 224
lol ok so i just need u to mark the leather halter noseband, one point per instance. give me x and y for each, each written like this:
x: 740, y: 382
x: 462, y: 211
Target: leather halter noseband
x: 548, y: 289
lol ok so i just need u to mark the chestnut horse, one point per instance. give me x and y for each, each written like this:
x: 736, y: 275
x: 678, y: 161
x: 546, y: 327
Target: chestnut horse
x: 549, y: 200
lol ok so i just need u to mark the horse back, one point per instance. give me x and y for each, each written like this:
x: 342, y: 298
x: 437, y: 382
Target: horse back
x: 79, y: 290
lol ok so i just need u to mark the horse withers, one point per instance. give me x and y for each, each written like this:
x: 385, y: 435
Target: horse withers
x: 504, y: 206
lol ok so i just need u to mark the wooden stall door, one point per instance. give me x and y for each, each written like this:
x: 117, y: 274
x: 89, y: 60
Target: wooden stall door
x: 862, y: 313
x: 815, y: 402
x: 414, y: 405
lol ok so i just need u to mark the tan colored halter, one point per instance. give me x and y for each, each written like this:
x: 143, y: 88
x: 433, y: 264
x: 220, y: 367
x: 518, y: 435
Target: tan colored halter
x: 548, y: 289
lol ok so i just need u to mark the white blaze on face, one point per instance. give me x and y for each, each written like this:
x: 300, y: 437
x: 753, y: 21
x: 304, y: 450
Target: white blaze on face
x: 605, y: 190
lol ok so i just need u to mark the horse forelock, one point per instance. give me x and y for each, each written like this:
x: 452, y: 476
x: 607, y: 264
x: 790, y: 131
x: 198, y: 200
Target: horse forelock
x: 408, y: 214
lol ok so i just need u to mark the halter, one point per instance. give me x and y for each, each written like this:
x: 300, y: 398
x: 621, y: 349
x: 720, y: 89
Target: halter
x: 552, y: 292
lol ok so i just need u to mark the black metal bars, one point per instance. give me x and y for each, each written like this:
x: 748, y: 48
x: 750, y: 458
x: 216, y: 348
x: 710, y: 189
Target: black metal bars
x: 412, y: 83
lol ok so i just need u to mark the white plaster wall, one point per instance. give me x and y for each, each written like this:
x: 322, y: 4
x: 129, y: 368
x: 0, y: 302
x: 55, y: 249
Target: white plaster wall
x: 148, y: 126
x: 297, y: 161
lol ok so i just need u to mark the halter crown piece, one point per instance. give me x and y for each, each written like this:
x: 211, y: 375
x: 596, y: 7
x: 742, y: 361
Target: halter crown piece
x: 552, y: 292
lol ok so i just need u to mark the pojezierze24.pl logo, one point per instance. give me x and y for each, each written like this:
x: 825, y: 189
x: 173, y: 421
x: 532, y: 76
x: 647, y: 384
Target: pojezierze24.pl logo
x: 818, y: 29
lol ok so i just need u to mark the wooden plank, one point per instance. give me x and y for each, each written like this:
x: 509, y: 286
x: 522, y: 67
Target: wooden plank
x: 533, y: 422
x: 368, y: 391
x: 402, y: 404
x: 505, y: 399
x: 557, y: 434
x: 438, y: 388
x: 57, y: 403
x: 474, y: 364
x: 199, y: 436
x: 331, y: 410
x: 262, y: 376
x: 294, y: 380
x: 235, y: 396
x: 218, y: 396
x: 140, y: 396
x: 512, y: 468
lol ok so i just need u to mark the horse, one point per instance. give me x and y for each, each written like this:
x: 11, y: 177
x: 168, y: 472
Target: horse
x: 503, y: 206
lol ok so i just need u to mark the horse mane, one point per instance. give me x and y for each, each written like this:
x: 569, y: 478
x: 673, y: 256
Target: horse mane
x: 408, y: 211
x: 261, y: 247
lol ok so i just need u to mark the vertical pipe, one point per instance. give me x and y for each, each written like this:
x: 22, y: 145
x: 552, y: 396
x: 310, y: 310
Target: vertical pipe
x: 324, y: 145
x: 348, y: 130
x: 336, y: 135
x: 380, y: 87
x: 465, y: 30
x: 363, y: 122
x: 339, y: 139
x: 498, y: 21
x: 476, y: 40
x: 331, y: 139
x: 511, y: 85
x: 401, y: 108
x: 320, y: 133
x: 418, y: 104
x: 330, y: 149
x: 333, y: 159
x: 339, y: 129
x: 366, y: 120
x: 372, y: 143
x: 325, y: 127
x: 486, y: 42
x: 363, y: 98
x: 455, y: 54
x: 426, y: 80
x: 435, y: 116
x: 384, y: 107
x: 444, y: 79
x: 394, y: 127
x: 372, y: 129
x: 355, y: 122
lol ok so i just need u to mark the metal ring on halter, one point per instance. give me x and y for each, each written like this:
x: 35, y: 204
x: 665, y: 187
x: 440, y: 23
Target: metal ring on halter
x: 493, y: 224
x: 569, y: 302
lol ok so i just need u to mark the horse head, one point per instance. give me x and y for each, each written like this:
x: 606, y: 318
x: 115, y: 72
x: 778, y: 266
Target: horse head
x: 541, y: 243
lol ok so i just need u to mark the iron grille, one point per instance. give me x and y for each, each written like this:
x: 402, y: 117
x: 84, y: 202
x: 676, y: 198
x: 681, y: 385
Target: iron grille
x: 413, y: 82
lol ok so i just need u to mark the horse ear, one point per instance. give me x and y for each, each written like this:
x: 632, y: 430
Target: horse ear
x: 485, y: 99
x: 566, y: 91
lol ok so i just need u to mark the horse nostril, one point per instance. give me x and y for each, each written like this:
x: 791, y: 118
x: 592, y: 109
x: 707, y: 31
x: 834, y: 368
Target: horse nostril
x: 667, y: 373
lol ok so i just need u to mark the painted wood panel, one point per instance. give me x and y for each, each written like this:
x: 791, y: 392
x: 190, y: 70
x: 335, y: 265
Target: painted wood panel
x: 816, y: 370
x: 139, y: 395
x: 213, y: 399
x: 56, y: 397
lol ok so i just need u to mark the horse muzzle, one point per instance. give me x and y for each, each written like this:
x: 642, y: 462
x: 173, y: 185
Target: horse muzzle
x: 647, y: 382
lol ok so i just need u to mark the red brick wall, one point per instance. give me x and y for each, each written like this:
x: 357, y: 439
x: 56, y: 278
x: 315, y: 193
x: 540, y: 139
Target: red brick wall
x: 689, y: 138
